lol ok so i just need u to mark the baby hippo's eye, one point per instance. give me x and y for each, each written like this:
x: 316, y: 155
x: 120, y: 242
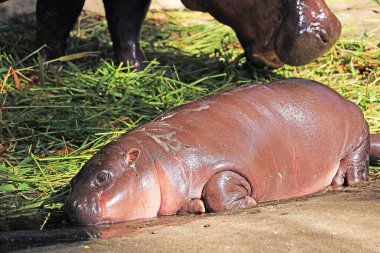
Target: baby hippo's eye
x: 102, y: 178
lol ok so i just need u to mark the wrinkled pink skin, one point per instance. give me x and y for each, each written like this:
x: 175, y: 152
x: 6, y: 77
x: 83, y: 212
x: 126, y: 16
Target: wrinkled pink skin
x: 224, y: 152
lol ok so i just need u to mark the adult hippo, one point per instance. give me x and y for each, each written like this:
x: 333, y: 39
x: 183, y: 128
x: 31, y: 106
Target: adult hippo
x: 272, y: 32
x: 231, y: 150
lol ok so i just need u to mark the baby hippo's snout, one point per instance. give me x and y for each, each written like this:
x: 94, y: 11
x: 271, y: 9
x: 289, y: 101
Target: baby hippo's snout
x: 82, y: 210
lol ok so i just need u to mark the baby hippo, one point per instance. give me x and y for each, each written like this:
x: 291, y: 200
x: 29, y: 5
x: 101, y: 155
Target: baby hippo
x: 223, y: 152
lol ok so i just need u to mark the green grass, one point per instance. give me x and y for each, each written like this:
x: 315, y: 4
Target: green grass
x: 53, y: 121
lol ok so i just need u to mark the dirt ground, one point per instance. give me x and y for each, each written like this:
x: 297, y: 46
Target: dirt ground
x: 339, y: 221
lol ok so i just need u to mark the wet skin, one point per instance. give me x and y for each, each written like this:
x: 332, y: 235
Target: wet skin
x: 223, y: 152
x: 271, y: 32
x: 276, y: 32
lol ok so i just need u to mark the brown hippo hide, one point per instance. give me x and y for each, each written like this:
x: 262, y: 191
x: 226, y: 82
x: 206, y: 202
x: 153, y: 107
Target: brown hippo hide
x: 226, y: 151
x: 276, y: 32
x: 272, y: 32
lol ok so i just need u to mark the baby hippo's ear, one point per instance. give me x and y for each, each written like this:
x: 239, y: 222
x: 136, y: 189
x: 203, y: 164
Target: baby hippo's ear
x: 132, y: 157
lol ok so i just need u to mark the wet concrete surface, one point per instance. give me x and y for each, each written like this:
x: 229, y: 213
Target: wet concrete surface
x: 43, y: 228
x: 338, y: 221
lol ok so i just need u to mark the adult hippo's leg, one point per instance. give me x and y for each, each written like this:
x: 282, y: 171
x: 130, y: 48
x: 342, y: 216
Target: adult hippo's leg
x: 354, y: 167
x: 125, y: 18
x: 55, y: 19
x: 227, y: 191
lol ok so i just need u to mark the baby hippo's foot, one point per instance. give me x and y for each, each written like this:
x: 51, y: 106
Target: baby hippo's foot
x: 353, y: 169
x: 192, y: 206
x: 227, y: 191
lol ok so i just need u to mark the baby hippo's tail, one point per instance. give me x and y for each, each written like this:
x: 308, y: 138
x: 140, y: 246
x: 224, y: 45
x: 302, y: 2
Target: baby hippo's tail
x: 374, y: 151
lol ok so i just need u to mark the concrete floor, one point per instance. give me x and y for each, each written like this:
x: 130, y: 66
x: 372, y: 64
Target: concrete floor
x: 345, y: 221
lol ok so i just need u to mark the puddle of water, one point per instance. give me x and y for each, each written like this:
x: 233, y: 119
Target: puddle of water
x: 48, y: 228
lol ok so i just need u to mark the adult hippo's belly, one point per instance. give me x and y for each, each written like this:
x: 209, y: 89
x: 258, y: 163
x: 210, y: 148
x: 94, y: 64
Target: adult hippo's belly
x: 276, y: 32
x: 256, y: 143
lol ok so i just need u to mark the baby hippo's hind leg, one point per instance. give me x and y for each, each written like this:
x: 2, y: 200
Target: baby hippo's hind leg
x: 227, y: 191
x: 354, y: 167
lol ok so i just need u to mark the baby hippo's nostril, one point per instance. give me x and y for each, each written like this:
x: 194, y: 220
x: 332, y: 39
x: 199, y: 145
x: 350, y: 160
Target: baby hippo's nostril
x: 76, y: 204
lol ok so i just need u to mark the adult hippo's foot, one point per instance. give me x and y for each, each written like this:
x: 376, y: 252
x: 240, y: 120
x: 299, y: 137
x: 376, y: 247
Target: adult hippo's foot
x: 227, y: 191
x: 353, y: 168
x: 125, y: 19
